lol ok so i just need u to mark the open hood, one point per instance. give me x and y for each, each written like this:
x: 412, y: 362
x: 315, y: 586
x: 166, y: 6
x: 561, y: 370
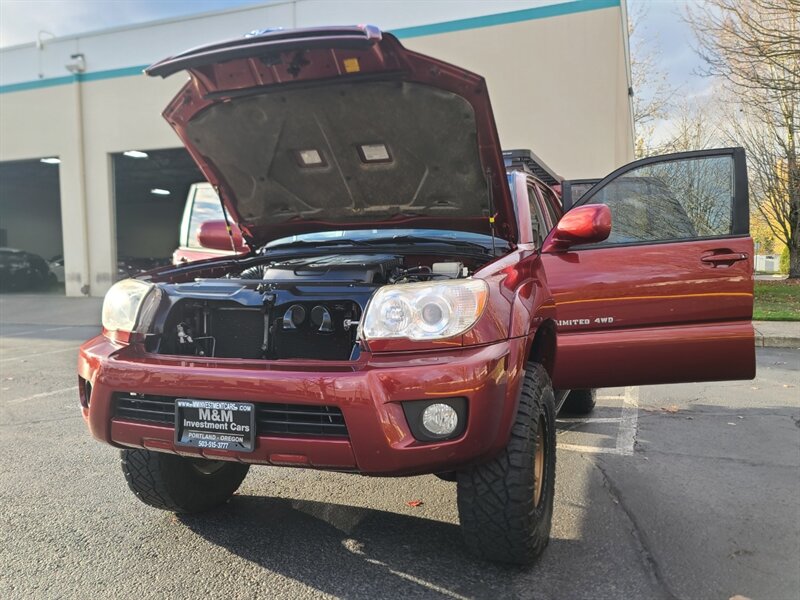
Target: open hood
x: 340, y: 128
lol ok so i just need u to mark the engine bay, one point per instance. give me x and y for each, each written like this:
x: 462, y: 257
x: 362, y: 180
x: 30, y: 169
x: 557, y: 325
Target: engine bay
x: 307, y: 307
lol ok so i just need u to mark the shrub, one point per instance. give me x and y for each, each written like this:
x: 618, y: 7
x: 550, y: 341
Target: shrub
x: 783, y: 265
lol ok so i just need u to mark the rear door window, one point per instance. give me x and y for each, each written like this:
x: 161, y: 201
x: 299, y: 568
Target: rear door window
x: 539, y: 219
x: 550, y: 204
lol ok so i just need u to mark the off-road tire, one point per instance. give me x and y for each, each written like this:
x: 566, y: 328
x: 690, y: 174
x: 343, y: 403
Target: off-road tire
x: 580, y: 402
x: 500, y: 519
x: 178, y: 484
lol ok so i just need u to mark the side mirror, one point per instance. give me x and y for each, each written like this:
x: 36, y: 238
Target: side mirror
x: 582, y: 225
x: 214, y: 235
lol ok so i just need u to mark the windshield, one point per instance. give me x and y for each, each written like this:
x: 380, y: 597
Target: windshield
x: 387, y: 234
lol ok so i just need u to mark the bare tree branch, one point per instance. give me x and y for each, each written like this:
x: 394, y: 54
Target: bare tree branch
x: 652, y: 94
x: 753, y: 47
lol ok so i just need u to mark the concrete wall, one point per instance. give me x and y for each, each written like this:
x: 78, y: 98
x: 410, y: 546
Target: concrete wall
x: 557, y: 74
x: 558, y: 86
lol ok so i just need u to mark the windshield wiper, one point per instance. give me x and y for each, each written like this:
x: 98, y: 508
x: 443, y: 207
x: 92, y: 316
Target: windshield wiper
x: 401, y: 239
x: 314, y: 244
x: 383, y: 241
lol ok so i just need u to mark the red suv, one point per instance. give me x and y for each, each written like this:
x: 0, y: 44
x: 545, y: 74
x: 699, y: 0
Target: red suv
x: 427, y: 311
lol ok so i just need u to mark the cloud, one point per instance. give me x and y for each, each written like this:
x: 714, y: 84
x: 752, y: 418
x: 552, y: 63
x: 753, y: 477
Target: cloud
x: 22, y: 20
x: 662, y: 32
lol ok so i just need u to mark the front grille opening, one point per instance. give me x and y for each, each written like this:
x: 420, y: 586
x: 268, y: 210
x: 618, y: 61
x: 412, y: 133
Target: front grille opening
x: 145, y: 408
x: 272, y: 419
x: 293, y: 419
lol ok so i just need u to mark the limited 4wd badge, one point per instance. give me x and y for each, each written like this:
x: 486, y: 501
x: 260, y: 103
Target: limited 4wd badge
x: 574, y: 322
x: 215, y: 425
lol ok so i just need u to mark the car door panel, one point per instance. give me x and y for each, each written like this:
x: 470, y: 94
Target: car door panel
x: 665, y: 318
x: 635, y: 310
x: 666, y: 285
x: 653, y: 355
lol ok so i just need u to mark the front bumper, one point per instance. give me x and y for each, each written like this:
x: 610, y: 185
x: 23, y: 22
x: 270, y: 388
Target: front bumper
x: 368, y: 392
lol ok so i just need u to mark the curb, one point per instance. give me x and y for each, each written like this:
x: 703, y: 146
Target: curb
x: 777, y: 334
x: 770, y: 341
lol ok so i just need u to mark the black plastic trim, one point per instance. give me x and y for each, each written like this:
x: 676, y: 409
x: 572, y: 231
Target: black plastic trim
x: 658, y: 242
x: 566, y: 190
x: 413, y: 411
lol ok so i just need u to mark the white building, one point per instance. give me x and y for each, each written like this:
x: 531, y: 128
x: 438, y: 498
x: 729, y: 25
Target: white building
x: 558, y: 75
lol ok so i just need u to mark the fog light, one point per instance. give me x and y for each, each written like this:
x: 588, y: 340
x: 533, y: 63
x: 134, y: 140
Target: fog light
x: 436, y: 420
x: 440, y: 419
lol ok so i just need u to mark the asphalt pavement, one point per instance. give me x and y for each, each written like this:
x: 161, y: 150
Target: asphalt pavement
x: 682, y: 491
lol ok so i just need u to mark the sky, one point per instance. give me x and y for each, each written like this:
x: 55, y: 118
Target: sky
x: 21, y: 20
x: 663, y: 30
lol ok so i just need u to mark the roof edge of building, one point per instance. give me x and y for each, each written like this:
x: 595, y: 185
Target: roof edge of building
x: 504, y: 18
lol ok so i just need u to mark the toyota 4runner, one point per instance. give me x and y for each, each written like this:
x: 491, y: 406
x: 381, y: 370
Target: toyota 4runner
x: 407, y: 305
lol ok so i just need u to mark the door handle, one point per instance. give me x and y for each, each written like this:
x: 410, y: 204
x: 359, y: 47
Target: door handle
x: 724, y: 258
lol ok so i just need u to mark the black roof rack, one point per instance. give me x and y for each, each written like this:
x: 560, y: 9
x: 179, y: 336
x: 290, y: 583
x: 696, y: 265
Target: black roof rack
x: 526, y: 160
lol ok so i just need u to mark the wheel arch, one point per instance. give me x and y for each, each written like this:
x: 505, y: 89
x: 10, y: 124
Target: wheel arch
x: 542, y: 348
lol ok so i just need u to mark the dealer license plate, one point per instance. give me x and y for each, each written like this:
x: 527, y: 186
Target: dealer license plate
x: 215, y: 425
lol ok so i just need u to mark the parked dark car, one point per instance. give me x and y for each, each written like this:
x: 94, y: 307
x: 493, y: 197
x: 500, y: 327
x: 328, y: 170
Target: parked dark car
x: 23, y: 271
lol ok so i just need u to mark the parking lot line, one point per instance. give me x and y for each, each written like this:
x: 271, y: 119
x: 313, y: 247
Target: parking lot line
x: 626, y: 433
x: 28, y: 331
x: 421, y: 582
x: 24, y: 356
x: 43, y: 395
x: 588, y: 449
x: 589, y: 420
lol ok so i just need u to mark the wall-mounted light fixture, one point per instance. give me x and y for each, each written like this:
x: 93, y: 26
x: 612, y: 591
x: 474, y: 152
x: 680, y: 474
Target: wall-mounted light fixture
x: 78, y: 64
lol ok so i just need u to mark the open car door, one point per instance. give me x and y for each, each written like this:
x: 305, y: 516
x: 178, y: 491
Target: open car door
x: 668, y: 296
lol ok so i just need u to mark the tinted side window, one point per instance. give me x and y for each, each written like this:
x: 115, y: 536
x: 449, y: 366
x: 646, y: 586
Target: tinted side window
x: 551, y: 205
x: 673, y: 200
x: 539, y: 223
x: 578, y: 189
x: 206, y: 207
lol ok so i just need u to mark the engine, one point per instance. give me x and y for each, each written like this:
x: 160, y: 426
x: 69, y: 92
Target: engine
x: 299, y: 308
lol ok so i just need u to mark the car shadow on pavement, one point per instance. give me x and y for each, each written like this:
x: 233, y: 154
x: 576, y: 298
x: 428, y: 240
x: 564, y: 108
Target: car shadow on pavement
x: 353, y: 552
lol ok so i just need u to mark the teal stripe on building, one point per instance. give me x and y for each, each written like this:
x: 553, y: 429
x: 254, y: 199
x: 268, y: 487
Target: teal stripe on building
x: 517, y: 16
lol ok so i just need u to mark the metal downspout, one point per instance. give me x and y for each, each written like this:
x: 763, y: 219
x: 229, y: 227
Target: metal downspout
x: 86, y: 274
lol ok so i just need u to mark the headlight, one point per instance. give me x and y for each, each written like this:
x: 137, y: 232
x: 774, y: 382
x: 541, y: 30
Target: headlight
x: 425, y: 311
x: 123, y: 303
